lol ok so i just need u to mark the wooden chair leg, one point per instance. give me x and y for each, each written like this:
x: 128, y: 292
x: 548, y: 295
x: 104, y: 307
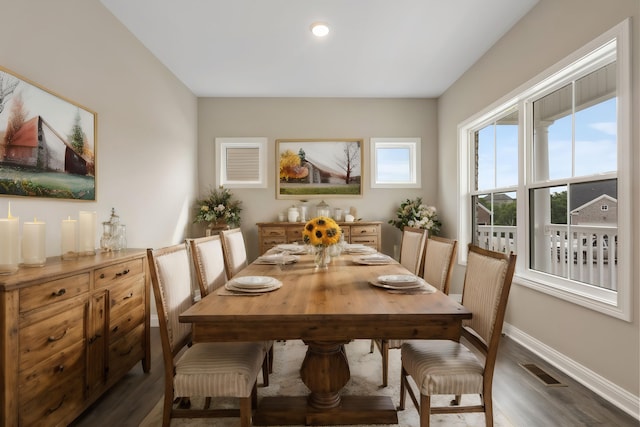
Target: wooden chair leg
x: 245, y: 411
x: 265, y: 370
x: 488, y: 409
x: 456, y: 400
x: 372, y: 346
x: 166, y: 410
x: 385, y: 362
x: 271, y: 360
x: 403, y: 390
x: 425, y: 410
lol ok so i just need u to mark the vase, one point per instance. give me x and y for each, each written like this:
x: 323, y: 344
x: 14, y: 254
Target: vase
x: 322, y: 258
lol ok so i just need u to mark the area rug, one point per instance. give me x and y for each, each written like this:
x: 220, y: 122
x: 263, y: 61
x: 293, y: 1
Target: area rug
x: 366, y: 378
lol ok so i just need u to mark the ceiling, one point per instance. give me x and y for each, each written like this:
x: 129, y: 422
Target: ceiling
x: 264, y: 48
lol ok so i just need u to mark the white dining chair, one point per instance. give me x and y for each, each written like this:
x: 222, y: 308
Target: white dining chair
x: 198, y: 369
x: 208, y: 264
x: 412, y: 247
x: 234, y: 250
x: 450, y: 367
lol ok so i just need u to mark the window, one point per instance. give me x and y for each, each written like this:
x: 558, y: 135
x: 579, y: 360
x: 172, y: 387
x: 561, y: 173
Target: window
x: 546, y: 174
x: 241, y: 162
x: 395, y: 163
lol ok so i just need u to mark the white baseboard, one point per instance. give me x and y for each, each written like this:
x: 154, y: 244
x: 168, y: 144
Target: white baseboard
x: 154, y: 321
x: 609, y: 391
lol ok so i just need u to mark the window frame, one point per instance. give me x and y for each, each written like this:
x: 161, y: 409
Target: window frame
x: 413, y: 145
x: 222, y: 144
x: 617, y: 303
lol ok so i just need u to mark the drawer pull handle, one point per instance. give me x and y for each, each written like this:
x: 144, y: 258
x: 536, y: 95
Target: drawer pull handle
x: 60, y: 368
x: 53, y: 339
x: 128, y: 296
x: 115, y: 329
x: 52, y: 410
x: 94, y: 338
x: 59, y: 293
x: 127, y: 352
x: 123, y: 273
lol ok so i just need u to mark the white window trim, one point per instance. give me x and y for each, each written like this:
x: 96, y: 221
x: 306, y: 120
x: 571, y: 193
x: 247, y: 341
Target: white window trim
x: 616, y: 304
x: 413, y: 145
x: 222, y: 144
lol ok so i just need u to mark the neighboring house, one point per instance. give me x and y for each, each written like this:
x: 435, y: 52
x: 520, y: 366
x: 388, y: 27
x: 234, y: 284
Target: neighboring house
x: 37, y: 145
x: 602, y: 210
x: 483, y: 215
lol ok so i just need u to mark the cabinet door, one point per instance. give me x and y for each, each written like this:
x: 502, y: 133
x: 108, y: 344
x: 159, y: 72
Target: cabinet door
x: 96, y: 341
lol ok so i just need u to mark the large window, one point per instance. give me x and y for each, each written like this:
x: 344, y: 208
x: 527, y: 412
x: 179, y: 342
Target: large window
x: 548, y: 177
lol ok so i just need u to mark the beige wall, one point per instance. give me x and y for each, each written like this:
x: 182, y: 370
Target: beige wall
x: 552, y: 30
x: 276, y: 118
x: 147, y: 122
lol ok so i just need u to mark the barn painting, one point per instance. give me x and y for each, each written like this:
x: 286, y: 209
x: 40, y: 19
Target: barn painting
x: 47, y: 143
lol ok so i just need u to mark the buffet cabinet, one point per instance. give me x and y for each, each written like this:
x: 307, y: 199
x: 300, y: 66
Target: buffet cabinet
x: 271, y: 234
x: 69, y: 331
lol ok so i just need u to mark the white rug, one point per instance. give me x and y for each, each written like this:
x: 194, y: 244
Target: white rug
x: 366, y: 378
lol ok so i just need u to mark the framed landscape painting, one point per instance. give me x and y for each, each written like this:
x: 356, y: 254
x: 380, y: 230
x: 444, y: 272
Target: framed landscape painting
x: 314, y: 168
x: 47, y: 143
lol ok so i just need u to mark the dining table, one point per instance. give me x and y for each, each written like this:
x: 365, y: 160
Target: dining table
x: 326, y: 308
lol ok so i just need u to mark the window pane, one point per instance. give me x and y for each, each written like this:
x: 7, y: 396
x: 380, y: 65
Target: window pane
x: 552, y: 129
x: 585, y: 249
x: 485, y: 158
x: 507, y: 151
x: 393, y: 165
x: 495, y: 221
x: 596, y: 139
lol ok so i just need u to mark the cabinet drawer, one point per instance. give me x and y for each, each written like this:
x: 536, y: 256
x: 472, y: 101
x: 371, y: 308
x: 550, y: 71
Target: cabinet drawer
x: 346, y: 232
x: 107, y: 275
x: 357, y: 230
x: 51, y: 292
x: 366, y: 240
x: 60, y: 367
x: 294, y: 234
x: 122, y: 325
x: 126, y: 352
x: 273, y: 231
x: 126, y: 297
x: 55, y: 407
x: 273, y: 241
x: 43, y: 339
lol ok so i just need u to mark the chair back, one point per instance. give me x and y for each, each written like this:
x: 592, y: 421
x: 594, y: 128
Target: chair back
x: 235, y: 251
x: 486, y: 290
x: 412, y: 248
x: 439, y: 257
x: 170, y: 271
x: 208, y: 263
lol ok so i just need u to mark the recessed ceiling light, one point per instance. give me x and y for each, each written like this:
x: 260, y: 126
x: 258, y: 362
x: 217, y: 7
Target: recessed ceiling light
x: 319, y: 29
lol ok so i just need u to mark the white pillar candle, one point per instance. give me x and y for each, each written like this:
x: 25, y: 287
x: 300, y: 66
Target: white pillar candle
x: 69, y: 238
x: 33, y: 243
x: 87, y: 233
x: 9, y: 244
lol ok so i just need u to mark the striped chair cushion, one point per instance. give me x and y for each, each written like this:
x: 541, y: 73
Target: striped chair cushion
x: 218, y: 369
x: 442, y: 367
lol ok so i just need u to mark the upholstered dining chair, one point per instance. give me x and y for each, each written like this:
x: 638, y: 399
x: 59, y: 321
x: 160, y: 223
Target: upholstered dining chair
x: 412, y: 247
x: 451, y: 367
x: 198, y: 369
x: 208, y: 264
x: 439, y: 257
x: 235, y: 251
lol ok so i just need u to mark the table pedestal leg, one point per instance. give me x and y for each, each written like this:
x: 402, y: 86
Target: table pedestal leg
x: 325, y: 370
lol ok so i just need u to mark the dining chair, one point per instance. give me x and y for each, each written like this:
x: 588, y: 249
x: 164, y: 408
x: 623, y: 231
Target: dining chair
x: 412, y: 247
x: 197, y: 369
x: 439, y: 257
x: 235, y: 251
x: 450, y: 367
x: 208, y: 264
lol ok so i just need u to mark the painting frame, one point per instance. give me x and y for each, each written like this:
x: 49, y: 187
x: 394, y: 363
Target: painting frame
x: 315, y: 168
x: 48, y: 143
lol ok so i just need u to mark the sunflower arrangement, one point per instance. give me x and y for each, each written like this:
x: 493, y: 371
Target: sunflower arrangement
x: 321, y: 232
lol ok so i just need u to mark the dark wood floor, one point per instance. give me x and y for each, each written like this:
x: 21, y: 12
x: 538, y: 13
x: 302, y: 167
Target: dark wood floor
x: 524, y: 399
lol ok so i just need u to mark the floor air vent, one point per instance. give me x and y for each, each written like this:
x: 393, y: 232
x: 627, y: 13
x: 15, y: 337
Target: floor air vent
x: 540, y: 374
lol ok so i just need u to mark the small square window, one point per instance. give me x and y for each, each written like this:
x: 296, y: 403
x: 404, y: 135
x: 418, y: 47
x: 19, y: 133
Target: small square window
x: 395, y: 163
x: 241, y: 162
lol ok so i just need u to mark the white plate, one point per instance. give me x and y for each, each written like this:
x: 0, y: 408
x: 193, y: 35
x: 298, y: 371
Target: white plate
x: 252, y: 282
x: 367, y: 260
x: 296, y: 249
x: 231, y: 286
x: 398, y: 279
x: 396, y: 287
x: 277, y: 259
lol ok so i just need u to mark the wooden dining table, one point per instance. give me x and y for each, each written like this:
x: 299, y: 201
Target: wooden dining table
x: 326, y: 308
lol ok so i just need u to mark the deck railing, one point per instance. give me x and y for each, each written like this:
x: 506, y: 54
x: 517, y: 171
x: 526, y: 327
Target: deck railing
x: 587, y: 254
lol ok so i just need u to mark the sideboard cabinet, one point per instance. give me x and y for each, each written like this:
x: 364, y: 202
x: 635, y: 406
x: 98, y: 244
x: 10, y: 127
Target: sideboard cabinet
x: 69, y: 331
x: 271, y: 234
